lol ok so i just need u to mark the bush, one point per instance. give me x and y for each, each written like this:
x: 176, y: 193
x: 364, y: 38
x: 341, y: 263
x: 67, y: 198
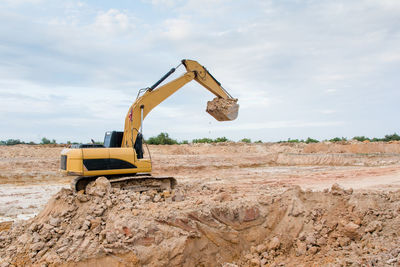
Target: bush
x: 294, y: 140
x: 245, y: 140
x: 203, y: 140
x: 209, y: 140
x: 161, y: 139
x: 45, y: 141
x: 221, y: 139
x: 11, y: 142
x: 310, y: 140
x: 391, y: 137
x: 184, y: 142
x: 337, y: 139
x: 258, y: 142
x: 361, y: 138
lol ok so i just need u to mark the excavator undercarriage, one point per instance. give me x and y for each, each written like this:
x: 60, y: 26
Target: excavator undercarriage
x: 134, y: 182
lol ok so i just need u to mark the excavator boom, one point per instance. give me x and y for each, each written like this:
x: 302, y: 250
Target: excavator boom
x: 222, y: 108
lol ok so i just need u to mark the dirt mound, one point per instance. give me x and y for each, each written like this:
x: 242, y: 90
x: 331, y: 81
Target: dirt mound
x: 208, y: 226
x: 332, y: 228
x: 355, y: 147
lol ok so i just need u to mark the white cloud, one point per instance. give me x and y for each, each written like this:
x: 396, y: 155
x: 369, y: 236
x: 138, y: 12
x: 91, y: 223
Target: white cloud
x: 391, y: 5
x: 331, y: 91
x: 256, y: 99
x: 245, y: 127
x: 390, y: 57
x: 162, y: 3
x: 328, y: 111
x: 289, y: 64
x: 177, y: 29
x: 328, y: 78
x: 113, y: 22
x: 164, y: 112
x: 16, y: 3
x: 283, y: 124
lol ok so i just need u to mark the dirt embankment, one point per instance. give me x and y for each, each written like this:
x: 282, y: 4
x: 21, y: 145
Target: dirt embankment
x: 209, y: 225
x: 23, y: 164
x: 30, y: 164
x: 354, y: 147
x: 29, y: 174
x: 278, y: 154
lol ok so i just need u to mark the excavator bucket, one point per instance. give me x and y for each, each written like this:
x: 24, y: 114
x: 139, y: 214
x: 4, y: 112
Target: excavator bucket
x: 223, y: 109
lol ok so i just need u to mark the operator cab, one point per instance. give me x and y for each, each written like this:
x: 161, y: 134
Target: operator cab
x: 114, y: 139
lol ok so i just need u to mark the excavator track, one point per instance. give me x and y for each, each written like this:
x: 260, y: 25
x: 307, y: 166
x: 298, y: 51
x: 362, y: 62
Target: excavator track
x: 137, y: 183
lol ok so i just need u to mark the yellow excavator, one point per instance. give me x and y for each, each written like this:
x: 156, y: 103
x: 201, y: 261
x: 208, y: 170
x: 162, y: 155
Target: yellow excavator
x: 120, y: 158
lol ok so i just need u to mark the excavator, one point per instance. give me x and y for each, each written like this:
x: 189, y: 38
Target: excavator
x: 120, y: 159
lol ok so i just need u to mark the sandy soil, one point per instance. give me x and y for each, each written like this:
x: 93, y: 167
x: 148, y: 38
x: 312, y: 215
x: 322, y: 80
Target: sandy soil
x: 235, y: 205
x: 29, y: 174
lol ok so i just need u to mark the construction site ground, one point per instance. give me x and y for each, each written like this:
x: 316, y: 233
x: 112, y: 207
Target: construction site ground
x: 236, y: 204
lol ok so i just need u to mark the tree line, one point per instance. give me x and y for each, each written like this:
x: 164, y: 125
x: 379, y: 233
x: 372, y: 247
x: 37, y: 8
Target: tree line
x: 11, y: 142
x: 165, y: 139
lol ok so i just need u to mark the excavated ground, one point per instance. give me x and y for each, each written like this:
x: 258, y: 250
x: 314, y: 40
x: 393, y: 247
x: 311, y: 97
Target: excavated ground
x: 235, y: 205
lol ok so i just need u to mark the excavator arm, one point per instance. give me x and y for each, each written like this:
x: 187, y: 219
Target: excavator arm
x: 154, y: 96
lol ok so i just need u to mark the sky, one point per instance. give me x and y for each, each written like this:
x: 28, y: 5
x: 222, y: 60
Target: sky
x: 69, y: 70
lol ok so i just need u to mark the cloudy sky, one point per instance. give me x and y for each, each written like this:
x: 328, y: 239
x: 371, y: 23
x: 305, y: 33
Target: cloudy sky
x: 69, y: 70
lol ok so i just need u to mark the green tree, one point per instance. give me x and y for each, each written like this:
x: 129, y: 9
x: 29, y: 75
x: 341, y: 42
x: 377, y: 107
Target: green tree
x: 45, y: 141
x: 361, y: 138
x: 209, y: 140
x: 337, y: 139
x: 245, y: 140
x: 203, y: 140
x: 220, y: 139
x: 161, y: 139
x: 310, y: 140
x: 11, y: 142
x: 392, y: 137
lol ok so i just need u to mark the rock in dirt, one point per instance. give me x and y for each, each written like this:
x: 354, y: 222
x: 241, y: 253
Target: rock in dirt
x: 241, y: 232
x: 337, y: 190
x: 373, y: 226
x: 351, y: 230
x: 274, y: 243
x: 100, y: 187
x: 82, y: 197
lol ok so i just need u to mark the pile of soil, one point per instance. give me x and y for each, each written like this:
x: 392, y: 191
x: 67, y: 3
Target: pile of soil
x: 223, y: 109
x: 208, y: 226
